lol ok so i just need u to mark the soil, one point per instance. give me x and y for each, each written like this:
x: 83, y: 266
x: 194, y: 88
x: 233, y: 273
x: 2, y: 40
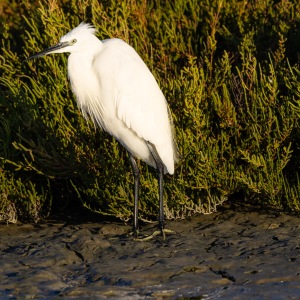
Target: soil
x: 235, y: 253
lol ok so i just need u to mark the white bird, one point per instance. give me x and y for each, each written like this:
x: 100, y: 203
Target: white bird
x: 116, y: 90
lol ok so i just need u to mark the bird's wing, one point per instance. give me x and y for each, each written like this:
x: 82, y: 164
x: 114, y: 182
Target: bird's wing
x: 138, y: 100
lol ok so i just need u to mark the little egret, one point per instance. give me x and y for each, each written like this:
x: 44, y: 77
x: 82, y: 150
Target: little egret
x: 116, y: 90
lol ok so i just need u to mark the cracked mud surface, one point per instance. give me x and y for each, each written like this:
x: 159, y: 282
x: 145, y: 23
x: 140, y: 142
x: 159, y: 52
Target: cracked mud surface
x: 237, y: 253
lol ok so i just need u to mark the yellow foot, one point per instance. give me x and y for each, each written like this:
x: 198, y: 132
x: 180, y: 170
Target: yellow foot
x: 135, y: 234
x: 163, y: 232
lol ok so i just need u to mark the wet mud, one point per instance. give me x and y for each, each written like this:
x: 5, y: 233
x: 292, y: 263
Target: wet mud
x: 240, y: 253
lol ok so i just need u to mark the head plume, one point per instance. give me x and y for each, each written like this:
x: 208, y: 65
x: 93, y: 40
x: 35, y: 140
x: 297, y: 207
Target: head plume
x: 82, y: 29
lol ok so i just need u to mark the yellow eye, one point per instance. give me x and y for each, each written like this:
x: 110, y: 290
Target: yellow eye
x: 73, y: 41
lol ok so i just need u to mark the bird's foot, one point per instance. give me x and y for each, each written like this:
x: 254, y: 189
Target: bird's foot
x: 134, y: 234
x: 161, y: 232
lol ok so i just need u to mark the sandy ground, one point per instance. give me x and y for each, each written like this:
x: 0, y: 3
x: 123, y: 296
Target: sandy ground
x: 236, y: 253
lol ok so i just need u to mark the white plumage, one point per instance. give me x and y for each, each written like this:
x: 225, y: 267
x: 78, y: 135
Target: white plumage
x: 115, y: 88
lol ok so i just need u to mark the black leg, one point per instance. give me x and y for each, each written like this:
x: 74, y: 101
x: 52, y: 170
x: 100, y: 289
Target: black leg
x: 136, y: 174
x: 160, y: 170
x: 161, y: 200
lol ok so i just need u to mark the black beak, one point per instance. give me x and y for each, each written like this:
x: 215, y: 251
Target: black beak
x: 48, y: 50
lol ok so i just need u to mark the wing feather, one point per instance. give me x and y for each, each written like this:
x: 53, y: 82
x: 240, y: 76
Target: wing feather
x: 138, y: 101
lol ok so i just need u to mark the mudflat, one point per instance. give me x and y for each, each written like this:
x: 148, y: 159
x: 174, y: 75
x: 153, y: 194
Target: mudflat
x: 240, y: 252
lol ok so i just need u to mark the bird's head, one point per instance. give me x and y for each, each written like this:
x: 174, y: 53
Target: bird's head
x: 71, y: 42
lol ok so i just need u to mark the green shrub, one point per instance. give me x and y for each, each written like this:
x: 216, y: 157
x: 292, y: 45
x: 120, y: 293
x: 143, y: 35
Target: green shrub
x: 229, y: 70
